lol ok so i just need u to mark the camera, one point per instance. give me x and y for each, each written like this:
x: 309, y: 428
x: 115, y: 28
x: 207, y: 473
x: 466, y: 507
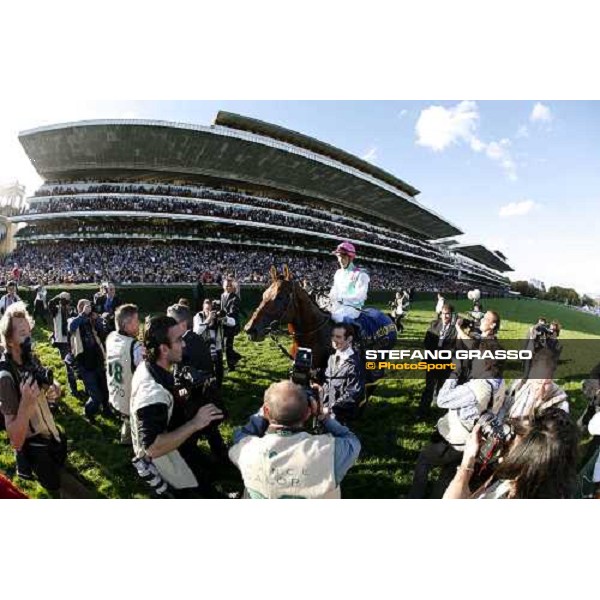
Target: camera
x: 41, y: 375
x: 215, y: 306
x: 300, y: 371
x: 190, y: 378
x: 495, y: 435
x: 465, y: 323
x: 542, y: 330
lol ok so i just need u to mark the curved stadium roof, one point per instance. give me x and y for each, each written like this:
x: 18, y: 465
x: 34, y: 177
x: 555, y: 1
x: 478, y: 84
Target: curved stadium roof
x: 235, y: 149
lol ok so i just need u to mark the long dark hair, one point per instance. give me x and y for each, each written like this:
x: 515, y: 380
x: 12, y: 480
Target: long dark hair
x: 543, y: 464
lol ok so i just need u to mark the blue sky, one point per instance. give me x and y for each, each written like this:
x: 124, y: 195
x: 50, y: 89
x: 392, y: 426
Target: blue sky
x: 522, y: 177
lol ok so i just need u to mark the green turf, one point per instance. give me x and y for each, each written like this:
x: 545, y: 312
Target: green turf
x: 390, y: 434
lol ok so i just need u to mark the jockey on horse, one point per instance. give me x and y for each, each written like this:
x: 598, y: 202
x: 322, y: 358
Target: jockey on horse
x: 348, y: 295
x: 350, y: 286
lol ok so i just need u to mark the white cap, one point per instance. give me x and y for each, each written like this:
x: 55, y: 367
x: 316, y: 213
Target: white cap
x: 65, y: 295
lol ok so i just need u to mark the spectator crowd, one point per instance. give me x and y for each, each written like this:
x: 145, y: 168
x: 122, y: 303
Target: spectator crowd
x: 179, y: 262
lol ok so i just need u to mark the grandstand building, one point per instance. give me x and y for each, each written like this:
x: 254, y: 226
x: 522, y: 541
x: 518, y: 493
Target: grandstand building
x: 239, y: 183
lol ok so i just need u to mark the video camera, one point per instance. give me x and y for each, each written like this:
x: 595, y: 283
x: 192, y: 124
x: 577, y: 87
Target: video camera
x: 495, y: 436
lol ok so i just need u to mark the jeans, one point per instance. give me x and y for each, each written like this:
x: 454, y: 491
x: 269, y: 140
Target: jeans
x: 96, y: 388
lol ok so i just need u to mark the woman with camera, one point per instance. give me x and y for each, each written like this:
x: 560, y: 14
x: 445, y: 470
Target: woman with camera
x: 539, y: 462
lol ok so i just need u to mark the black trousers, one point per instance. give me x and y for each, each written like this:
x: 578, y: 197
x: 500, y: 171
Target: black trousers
x: 434, y: 380
x: 438, y: 454
x: 38, y: 309
x: 230, y: 354
x: 46, y: 457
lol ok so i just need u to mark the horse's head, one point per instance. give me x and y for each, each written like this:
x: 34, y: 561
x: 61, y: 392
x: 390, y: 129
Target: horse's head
x: 274, y: 307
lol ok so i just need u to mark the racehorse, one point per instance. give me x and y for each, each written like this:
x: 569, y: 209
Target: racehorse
x: 286, y: 302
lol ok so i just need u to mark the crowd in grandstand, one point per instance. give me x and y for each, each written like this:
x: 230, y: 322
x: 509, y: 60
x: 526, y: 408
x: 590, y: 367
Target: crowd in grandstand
x: 309, y: 215
x: 129, y: 262
x: 224, y: 211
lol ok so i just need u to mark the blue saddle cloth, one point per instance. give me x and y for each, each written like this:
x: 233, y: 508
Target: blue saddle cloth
x: 376, y: 329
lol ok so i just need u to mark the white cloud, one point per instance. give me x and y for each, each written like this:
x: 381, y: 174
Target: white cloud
x: 517, y: 209
x: 371, y: 155
x: 540, y: 113
x: 522, y: 132
x: 402, y: 113
x: 439, y: 127
x: 500, y: 153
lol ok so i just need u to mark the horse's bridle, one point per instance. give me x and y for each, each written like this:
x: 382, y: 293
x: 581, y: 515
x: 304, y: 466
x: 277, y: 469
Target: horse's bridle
x: 285, y: 317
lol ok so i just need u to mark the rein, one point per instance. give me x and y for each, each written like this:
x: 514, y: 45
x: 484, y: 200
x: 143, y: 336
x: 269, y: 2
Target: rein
x: 275, y: 329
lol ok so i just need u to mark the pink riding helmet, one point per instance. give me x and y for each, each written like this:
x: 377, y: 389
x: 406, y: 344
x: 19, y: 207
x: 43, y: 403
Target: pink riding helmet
x: 345, y: 248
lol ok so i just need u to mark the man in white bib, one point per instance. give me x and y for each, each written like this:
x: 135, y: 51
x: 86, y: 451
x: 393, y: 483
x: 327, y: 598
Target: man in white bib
x: 279, y: 459
x: 123, y: 355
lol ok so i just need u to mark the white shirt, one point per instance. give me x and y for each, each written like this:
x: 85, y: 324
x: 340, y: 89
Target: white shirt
x: 348, y: 293
x: 439, y: 305
x: 344, y: 354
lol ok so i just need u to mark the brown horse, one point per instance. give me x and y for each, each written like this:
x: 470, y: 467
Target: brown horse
x: 286, y: 302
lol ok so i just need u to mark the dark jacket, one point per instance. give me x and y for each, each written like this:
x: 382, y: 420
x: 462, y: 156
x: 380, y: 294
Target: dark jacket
x: 344, y: 387
x: 432, y: 337
x: 230, y: 303
x: 99, y: 304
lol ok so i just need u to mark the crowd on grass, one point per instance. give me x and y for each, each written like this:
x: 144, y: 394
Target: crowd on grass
x: 496, y: 439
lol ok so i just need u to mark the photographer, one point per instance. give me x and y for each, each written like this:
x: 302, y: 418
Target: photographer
x: 465, y: 403
x: 123, y: 355
x: 209, y: 325
x: 278, y: 459
x: 470, y: 336
x: 528, y: 397
x: 477, y: 314
x: 540, y: 462
x: 40, y: 306
x: 60, y: 311
x: 88, y: 354
x: 106, y: 300
x: 194, y: 375
x: 343, y: 390
x: 105, y: 304
x: 9, y: 298
x: 398, y: 306
x: 440, y: 336
x: 25, y: 393
x: 156, y: 442
x: 230, y: 304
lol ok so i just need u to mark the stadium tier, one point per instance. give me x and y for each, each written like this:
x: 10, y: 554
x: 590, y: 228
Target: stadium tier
x: 163, y: 193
